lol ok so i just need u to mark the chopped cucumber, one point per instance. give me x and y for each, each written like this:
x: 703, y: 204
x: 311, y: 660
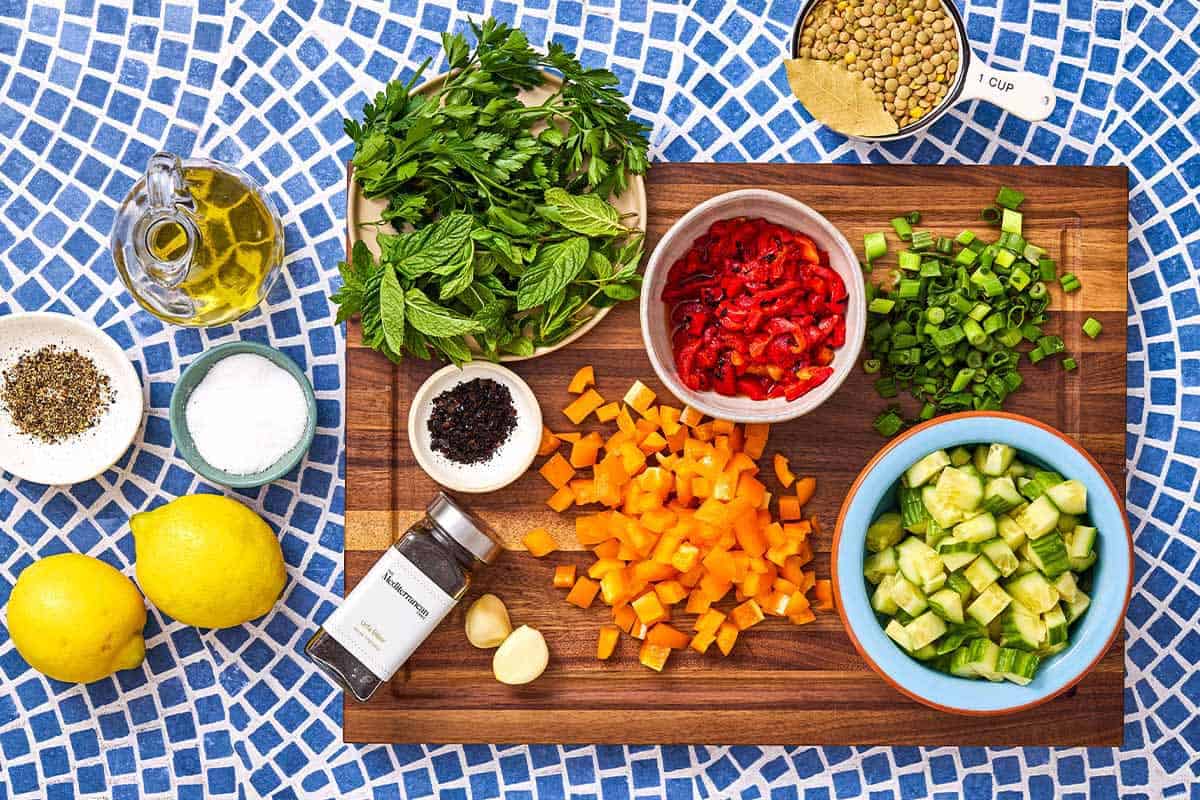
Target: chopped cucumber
x: 1077, y: 607
x: 898, y: 633
x: 1021, y: 628
x: 976, y: 572
x: 880, y: 564
x: 945, y: 515
x: 1069, y: 496
x: 1017, y: 666
x: 1000, y: 554
x: 1000, y: 495
x: 1012, y: 533
x: 924, y: 630
x: 978, y: 528
x: 959, y: 488
x: 1039, y: 518
x: 1033, y: 591
x: 926, y: 469
x: 947, y: 604
x: 981, y: 573
x: 1048, y: 554
x: 913, y: 515
x: 999, y: 458
x: 884, y: 532
x: 989, y: 604
x: 1056, y: 625
x: 908, y: 597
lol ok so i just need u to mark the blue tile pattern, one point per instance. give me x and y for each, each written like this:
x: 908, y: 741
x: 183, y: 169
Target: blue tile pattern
x: 89, y: 88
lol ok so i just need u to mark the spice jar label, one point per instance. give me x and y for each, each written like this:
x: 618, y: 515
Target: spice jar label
x: 388, y: 614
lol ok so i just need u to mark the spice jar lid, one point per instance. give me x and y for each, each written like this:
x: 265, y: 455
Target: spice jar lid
x: 465, y: 528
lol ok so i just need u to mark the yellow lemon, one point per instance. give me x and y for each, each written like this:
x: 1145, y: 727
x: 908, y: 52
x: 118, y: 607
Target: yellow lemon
x: 76, y: 619
x: 207, y: 560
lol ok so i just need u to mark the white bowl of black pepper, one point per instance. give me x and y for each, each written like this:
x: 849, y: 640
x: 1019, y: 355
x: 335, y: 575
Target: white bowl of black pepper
x: 476, y: 428
x: 70, y: 401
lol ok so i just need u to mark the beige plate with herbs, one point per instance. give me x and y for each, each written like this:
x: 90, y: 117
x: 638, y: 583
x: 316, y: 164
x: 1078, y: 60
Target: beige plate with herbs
x: 360, y: 210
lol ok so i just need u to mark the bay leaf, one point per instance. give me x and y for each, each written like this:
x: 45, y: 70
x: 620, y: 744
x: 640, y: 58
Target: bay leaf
x: 838, y: 98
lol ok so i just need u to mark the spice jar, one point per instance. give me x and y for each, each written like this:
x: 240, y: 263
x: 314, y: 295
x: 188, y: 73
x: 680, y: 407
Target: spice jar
x: 398, y: 603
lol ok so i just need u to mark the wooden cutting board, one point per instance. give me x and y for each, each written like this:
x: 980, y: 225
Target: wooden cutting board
x: 782, y: 684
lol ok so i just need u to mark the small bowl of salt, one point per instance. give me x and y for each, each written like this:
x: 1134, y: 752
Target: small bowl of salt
x: 243, y: 414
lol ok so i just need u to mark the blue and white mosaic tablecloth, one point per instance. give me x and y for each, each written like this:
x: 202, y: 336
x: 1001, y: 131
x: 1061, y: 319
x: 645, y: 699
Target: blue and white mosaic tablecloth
x: 90, y: 88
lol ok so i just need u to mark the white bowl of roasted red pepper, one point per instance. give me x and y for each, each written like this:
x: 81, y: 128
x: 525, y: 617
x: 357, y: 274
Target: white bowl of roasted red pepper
x: 753, y: 307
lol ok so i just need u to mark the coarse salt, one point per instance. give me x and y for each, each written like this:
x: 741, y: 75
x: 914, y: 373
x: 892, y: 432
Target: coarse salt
x: 246, y: 414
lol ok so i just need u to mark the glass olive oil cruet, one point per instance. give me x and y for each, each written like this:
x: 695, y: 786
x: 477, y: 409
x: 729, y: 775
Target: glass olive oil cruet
x: 197, y: 242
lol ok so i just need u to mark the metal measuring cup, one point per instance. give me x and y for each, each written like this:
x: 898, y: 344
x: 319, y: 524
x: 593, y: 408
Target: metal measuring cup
x: 1028, y: 96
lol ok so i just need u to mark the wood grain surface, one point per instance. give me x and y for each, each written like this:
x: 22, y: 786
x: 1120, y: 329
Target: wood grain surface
x: 782, y: 684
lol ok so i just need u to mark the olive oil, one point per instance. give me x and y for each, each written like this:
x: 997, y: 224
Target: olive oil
x: 204, y: 246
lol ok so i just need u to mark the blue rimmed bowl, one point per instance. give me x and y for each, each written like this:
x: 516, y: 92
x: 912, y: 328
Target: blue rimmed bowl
x: 873, y: 493
x: 190, y: 379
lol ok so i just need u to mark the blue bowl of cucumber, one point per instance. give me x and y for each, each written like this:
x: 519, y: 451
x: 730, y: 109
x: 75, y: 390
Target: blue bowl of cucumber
x: 982, y: 563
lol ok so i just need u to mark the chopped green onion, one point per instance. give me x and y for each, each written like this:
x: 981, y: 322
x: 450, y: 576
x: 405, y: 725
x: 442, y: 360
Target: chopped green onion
x: 1048, y: 269
x: 931, y: 269
x: 1037, y: 290
x: 1018, y: 279
x: 966, y: 257
x: 903, y: 228
x: 1005, y: 258
x: 927, y: 411
x: 921, y: 240
x: 909, y: 261
x: 886, y: 387
x: 937, y: 315
x: 1069, y: 282
x: 1069, y: 364
x: 990, y: 215
x: 1036, y: 355
x: 871, y: 366
x: 889, y: 423
x: 881, y: 305
x: 1092, y: 327
x: 875, y: 245
x: 1051, y: 345
x: 913, y: 217
x: 909, y: 289
x: 1009, y: 198
x: 944, y: 245
x: 965, y: 237
x: 1010, y: 221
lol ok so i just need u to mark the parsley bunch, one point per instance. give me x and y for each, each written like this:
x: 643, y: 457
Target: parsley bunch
x: 504, y: 237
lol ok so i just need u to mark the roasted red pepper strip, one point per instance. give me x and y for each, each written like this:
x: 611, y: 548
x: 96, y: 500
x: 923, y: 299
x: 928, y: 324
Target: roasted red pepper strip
x: 756, y: 311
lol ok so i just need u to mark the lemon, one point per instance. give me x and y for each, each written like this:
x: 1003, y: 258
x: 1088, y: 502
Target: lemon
x: 208, y: 560
x: 76, y: 619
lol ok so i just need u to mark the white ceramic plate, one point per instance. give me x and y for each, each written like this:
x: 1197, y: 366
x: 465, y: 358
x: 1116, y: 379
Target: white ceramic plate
x: 361, y: 210
x: 90, y: 453
x: 508, y: 463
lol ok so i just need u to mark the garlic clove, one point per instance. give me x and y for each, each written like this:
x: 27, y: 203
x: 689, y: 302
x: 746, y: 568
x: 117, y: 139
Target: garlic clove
x: 487, y: 622
x: 521, y: 658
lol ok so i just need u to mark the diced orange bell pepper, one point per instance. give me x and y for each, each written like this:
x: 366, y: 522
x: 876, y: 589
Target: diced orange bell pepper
x: 539, y: 542
x: 715, y: 589
x: 624, y: 617
x: 602, y: 566
x: 702, y: 641
x: 561, y: 500
x: 670, y: 592
x: 608, y: 412
x: 685, y: 557
x: 691, y: 417
x: 653, y: 655
x: 823, y: 591
x: 720, y: 565
x: 653, y: 443
x: 607, y: 641
x: 668, y: 636
x: 756, y: 439
x: 709, y: 621
x: 584, y: 490
x: 570, y: 436
x: 668, y: 419
x: 698, y: 602
x: 792, y: 570
x: 549, y: 442
x: 747, y: 615
x: 614, y: 587
x: 585, y: 377
x: 583, y: 592
x: 585, y: 451
x: 774, y: 603
x: 803, y: 618
x: 789, y: 508
x: 804, y: 489
x: 652, y: 415
x: 557, y: 471
x: 704, y: 432
x: 722, y: 427
x: 639, y: 629
x: 649, y: 609
x: 797, y: 603
x: 639, y: 397
x: 564, y: 576
x: 785, y: 476
x: 726, y: 636
x: 583, y: 405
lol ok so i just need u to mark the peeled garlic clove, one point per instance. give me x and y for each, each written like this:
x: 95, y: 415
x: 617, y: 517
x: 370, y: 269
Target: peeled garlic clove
x: 521, y: 658
x: 487, y: 622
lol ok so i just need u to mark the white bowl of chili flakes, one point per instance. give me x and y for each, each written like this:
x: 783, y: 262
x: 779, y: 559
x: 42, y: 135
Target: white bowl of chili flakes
x: 753, y: 307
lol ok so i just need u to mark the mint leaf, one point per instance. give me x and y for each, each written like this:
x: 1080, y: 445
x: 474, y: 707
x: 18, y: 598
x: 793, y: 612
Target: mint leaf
x: 555, y: 266
x: 391, y: 309
x: 585, y: 213
x: 432, y: 319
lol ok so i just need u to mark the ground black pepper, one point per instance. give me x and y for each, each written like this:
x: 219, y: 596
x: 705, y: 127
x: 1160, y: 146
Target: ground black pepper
x: 470, y: 421
x: 53, y: 394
